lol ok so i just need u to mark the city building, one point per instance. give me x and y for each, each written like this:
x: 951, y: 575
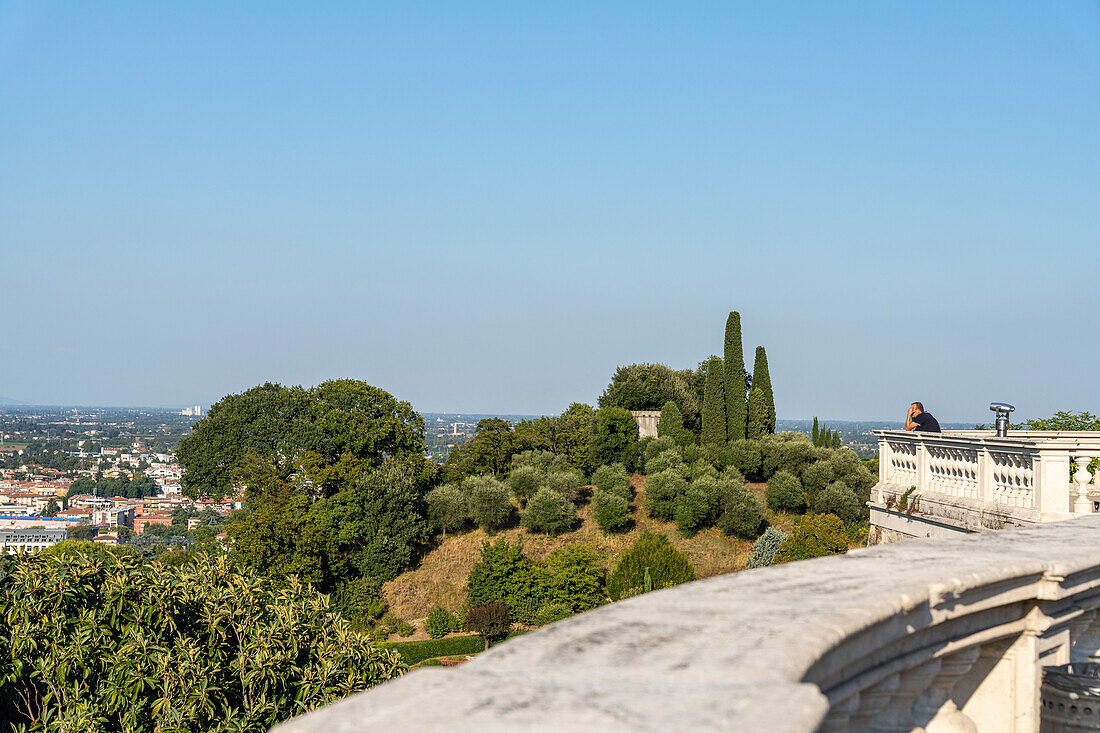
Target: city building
x: 30, y: 540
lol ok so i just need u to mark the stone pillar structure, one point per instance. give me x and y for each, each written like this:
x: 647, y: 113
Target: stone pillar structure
x: 647, y: 422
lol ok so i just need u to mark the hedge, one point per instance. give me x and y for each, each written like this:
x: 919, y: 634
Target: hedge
x: 417, y: 651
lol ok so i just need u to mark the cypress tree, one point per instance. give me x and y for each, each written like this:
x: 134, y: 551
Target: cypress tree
x: 758, y: 413
x: 836, y: 440
x: 814, y: 437
x: 763, y: 379
x: 827, y: 439
x: 672, y: 421
x: 734, y: 379
x: 714, y: 404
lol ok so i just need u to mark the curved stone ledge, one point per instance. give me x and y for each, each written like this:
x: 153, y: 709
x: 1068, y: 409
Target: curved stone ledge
x: 944, y: 634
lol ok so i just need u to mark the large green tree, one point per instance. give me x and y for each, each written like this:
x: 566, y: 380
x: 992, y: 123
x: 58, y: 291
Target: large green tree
x: 280, y: 425
x: 614, y: 432
x: 762, y: 380
x: 648, y: 387
x: 714, y: 405
x: 733, y: 362
x: 672, y: 421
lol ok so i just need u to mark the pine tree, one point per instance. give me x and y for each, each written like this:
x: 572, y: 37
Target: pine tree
x: 758, y: 414
x: 763, y: 379
x: 671, y: 422
x: 814, y: 437
x: 734, y: 379
x: 714, y: 404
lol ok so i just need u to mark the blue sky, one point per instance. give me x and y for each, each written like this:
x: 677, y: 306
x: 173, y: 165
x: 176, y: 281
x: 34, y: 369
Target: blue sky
x: 486, y: 207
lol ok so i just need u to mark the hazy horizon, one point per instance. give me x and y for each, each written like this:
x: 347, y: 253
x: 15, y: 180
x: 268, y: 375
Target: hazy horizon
x: 494, y: 205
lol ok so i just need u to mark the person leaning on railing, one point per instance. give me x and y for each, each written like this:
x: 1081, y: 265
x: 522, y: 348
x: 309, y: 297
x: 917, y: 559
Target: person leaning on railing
x: 918, y: 419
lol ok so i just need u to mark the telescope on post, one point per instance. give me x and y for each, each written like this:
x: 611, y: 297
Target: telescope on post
x: 1002, y: 409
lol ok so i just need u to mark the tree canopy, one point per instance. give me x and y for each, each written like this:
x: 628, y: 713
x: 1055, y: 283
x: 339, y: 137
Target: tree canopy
x: 282, y: 425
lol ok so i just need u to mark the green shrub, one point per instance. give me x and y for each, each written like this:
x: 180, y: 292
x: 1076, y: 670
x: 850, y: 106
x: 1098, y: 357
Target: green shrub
x: 448, y: 508
x: 359, y: 601
x: 490, y: 508
x: 817, y: 535
x: 492, y: 620
x: 431, y: 663
x: 414, y: 652
x: 378, y: 635
x: 667, y: 566
x: 612, y: 512
x: 817, y: 475
x: 702, y: 468
x: 784, y: 493
x: 552, y: 612
x: 113, y: 643
x: 543, y: 461
x: 718, y: 495
x: 744, y: 517
x: 746, y: 456
x: 671, y: 423
x: 785, y: 451
x: 764, y: 549
x: 439, y: 623
x: 550, y: 513
x: 837, y: 499
x: 614, y: 479
x: 390, y: 622
x: 661, y: 492
x: 656, y: 446
x: 576, y: 578
x: 524, y: 482
x: 668, y: 459
x: 568, y: 483
x: 691, y: 511
x: 505, y: 574
x: 404, y: 628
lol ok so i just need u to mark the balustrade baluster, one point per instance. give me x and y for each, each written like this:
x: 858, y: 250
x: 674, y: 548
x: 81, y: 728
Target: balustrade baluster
x: 935, y: 709
x: 871, y: 701
x: 897, y: 716
x: 1082, y: 503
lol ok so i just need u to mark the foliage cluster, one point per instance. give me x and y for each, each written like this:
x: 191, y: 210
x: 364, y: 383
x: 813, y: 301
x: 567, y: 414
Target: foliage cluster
x: 413, y: 652
x: 571, y: 575
x: 108, y: 643
x: 765, y: 548
x: 651, y: 563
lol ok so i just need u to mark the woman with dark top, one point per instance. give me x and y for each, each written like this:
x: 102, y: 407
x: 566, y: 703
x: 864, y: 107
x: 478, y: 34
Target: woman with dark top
x: 918, y: 419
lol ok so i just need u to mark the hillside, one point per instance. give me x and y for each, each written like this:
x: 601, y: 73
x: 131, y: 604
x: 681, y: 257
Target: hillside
x: 441, y: 576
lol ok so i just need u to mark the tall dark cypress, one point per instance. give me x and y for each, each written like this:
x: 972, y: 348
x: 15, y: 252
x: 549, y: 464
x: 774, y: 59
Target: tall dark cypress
x: 714, y: 404
x: 734, y: 368
x: 762, y: 378
x: 813, y: 437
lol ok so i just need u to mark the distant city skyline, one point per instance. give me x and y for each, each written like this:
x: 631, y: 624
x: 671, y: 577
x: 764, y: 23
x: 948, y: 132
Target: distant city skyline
x: 487, y: 207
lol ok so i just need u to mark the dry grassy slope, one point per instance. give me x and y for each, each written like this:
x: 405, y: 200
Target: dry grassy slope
x: 441, y: 577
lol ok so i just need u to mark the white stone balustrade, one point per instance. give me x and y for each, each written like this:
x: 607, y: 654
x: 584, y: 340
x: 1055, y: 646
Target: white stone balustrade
x: 970, y: 480
x: 939, y: 635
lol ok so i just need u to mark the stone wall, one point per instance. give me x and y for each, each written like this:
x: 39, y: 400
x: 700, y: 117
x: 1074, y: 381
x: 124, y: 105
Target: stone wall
x: 647, y: 422
x: 945, y: 634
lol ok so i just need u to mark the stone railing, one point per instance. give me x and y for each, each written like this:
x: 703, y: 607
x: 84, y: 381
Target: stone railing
x: 939, y: 635
x: 973, y: 480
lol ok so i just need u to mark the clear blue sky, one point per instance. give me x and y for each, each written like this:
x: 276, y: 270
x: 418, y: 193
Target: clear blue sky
x: 486, y: 207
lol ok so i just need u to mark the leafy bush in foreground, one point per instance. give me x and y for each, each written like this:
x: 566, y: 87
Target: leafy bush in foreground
x: 112, y: 644
x: 817, y: 535
x: 614, y: 479
x: 654, y: 554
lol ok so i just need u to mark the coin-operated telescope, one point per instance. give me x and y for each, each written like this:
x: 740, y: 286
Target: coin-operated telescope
x: 1002, y: 409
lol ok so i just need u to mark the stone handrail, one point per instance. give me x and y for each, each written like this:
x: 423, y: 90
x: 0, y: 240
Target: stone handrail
x: 942, y: 634
x: 1030, y: 476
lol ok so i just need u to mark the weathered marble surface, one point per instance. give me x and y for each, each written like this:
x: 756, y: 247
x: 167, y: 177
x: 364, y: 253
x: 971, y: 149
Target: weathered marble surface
x: 733, y: 652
